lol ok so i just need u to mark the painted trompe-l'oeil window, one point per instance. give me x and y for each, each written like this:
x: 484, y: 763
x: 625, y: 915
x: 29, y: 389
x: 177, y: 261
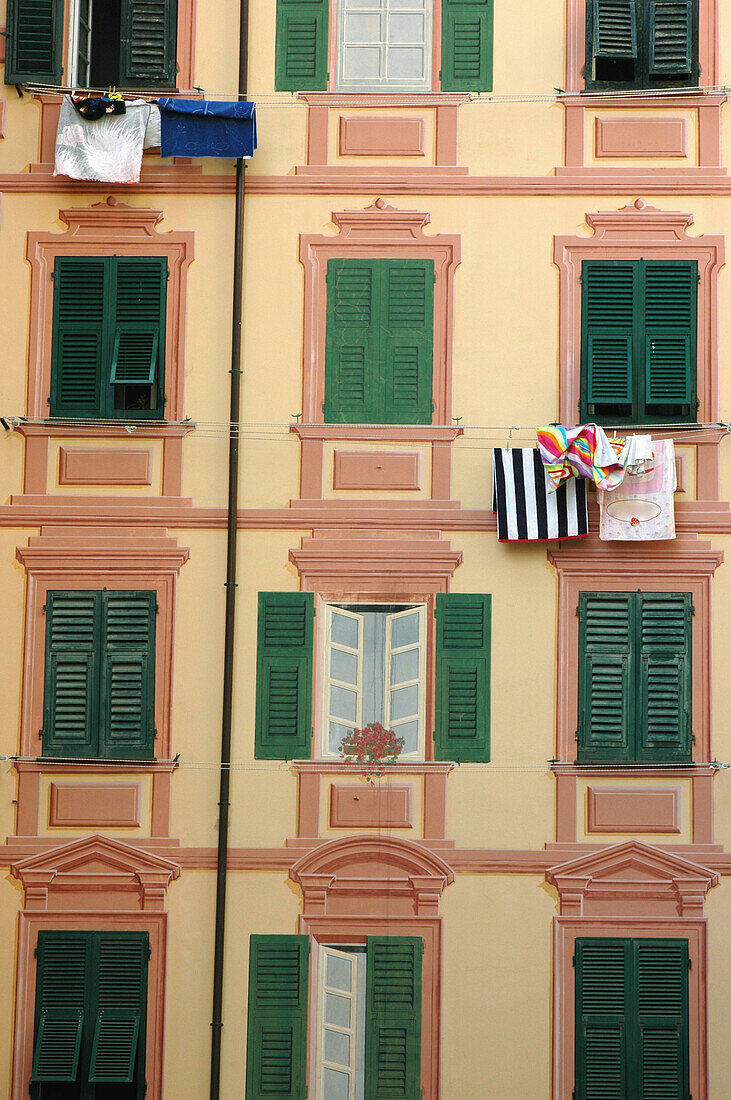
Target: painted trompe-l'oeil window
x: 641, y: 44
x: 371, y: 664
x: 123, y: 43
x: 366, y: 1017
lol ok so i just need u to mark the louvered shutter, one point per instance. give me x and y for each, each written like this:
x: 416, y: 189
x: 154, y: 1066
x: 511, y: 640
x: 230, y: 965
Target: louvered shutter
x: 603, y: 973
x: 351, y: 357
x: 609, y: 305
x: 606, y: 675
x: 34, y: 41
x: 662, y: 982
x: 79, y: 296
x: 671, y: 294
x: 665, y: 676
x: 70, y: 717
x: 406, y: 340
x: 467, y: 36
x: 60, y: 1005
x: 301, y: 49
x: 393, y: 1018
x: 671, y: 37
x: 128, y: 674
x: 139, y: 329
x: 462, y: 703
x: 614, y: 28
x: 148, y: 43
x: 284, y: 675
x: 276, y: 1049
x: 121, y: 989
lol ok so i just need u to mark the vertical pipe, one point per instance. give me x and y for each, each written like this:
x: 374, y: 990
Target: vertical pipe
x: 230, y: 617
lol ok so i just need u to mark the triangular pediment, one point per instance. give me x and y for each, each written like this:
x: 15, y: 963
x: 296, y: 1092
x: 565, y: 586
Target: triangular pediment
x: 96, y: 855
x: 631, y: 861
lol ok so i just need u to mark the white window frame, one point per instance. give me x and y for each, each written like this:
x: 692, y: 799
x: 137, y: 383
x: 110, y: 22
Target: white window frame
x: 382, y: 83
x: 349, y: 957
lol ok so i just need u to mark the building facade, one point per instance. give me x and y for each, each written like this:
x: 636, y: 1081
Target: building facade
x: 464, y: 220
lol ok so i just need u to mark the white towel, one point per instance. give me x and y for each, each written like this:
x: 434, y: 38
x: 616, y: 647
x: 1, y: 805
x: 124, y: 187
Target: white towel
x: 108, y: 149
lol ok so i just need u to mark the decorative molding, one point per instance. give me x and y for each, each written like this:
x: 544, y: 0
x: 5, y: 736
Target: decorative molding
x: 633, y: 810
x: 640, y: 137
x: 356, y: 560
x: 104, y: 466
x: 376, y: 470
x: 374, y: 807
x: 94, y: 805
x: 381, y: 136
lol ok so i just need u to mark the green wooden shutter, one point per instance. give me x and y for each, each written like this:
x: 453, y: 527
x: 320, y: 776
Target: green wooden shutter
x: 462, y: 703
x: 79, y: 294
x: 606, y: 676
x: 671, y: 37
x: 70, y: 717
x: 63, y: 959
x: 284, y: 675
x: 352, y: 344
x: 121, y: 989
x: 276, y: 1047
x: 301, y: 50
x: 138, y: 337
x: 609, y: 306
x: 467, y: 34
x: 614, y: 28
x: 662, y: 982
x: 148, y: 43
x: 407, y: 340
x: 34, y: 41
x: 128, y: 674
x: 603, y: 976
x: 665, y: 676
x: 671, y: 295
x: 393, y: 1018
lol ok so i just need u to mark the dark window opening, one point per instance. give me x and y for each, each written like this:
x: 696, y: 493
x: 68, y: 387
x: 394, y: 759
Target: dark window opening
x: 106, y: 33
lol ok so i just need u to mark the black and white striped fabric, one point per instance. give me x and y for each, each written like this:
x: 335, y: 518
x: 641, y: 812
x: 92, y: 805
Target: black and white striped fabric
x: 526, y: 509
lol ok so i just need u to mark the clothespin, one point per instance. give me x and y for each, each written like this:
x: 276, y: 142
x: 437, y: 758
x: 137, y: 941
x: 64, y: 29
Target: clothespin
x: 510, y: 437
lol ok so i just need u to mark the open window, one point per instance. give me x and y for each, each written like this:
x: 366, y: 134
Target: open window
x: 641, y: 44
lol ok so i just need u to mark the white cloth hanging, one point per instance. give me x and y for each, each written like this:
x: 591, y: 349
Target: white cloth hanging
x: 636, y: 455
x: 108, y: 149
x: 642, y: 509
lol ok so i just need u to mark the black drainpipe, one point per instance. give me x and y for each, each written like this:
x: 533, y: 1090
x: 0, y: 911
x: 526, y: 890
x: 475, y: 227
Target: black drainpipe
x: 231, y: 529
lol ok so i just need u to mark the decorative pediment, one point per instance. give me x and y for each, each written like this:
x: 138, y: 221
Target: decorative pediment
x: 370, y: 873
x: 631, y: 878
x: 75, y: 874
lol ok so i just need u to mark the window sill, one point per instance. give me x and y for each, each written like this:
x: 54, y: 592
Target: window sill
x: 383, y: 99
x: 650, y: 770
x: 148, y: 429
x: 113, y: 767
x: 402, y: 767
x: 411, y: 433
x: 681, y: 97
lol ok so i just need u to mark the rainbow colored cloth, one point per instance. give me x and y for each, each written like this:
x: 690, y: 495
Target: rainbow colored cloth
x: 584, y: 451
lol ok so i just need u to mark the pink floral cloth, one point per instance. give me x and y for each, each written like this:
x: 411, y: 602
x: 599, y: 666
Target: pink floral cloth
x: 642, y: 509
x: 583, y: 451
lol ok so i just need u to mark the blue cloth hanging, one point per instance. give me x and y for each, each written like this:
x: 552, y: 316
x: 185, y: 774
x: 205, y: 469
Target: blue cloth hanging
x: 199, y: 128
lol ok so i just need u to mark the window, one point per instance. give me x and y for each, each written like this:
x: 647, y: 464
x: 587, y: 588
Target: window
x: 367, y: 1017
x: 642, y: 44
x: 634, y: 677
x: 373, y: 667
x: 99, y: 680
x: 379, y: 344
x: 90, y: 1017
x: 631, y: 1018
x: 108, y: 336
x: 127, y: 43
x: 638, y: 361
x: 384, y: 45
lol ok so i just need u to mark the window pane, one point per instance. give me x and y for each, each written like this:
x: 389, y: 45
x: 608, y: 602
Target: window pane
x: 406, y: 28
x: 343, y: 703
x: 410, y: 733
x: 395, y: 5
x: 335, y: 1084
x: 344, y: 630
x: 338, y: 973
x: 362, y: 62
x: 344, y: 666
x: 337, y: 1047
x: 405, y: 666
x: 363, y: 27
x: 405, y: 62
x: 337, y: 1010
x: 404, y: 702
x: 336, y: 735
x: 405, y: 630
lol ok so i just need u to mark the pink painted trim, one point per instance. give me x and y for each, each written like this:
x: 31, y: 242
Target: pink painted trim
x: 568, y: 929
x: 640, y: 137
x: 100, y: 230
x: 103, y: 466
x: 94, y: 805
x: 369, y: 564
x: 633, y: 231
x: 369, y: 470
x: 381, y: 136
x: 374, y: 807
x: 30, y: 924
x: 633, y: 810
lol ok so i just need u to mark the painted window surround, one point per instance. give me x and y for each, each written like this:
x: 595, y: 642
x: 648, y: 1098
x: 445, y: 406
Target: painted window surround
x: 63, y: 888
x: 399, y: 887
x: 578, y: 103
x: 380, y: 231
x: 629, y: 233
x: 94, y: 558
x: 661, y: 896
x: 689, y: 566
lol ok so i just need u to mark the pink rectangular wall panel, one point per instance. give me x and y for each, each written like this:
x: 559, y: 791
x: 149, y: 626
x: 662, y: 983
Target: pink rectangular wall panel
x: 376, y: 136
x: 104, y: 466
x: 376, y: 470
x: 365, y: 807
x: 640, y: 137
x: 94, y: 805
x: 630, y: 810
